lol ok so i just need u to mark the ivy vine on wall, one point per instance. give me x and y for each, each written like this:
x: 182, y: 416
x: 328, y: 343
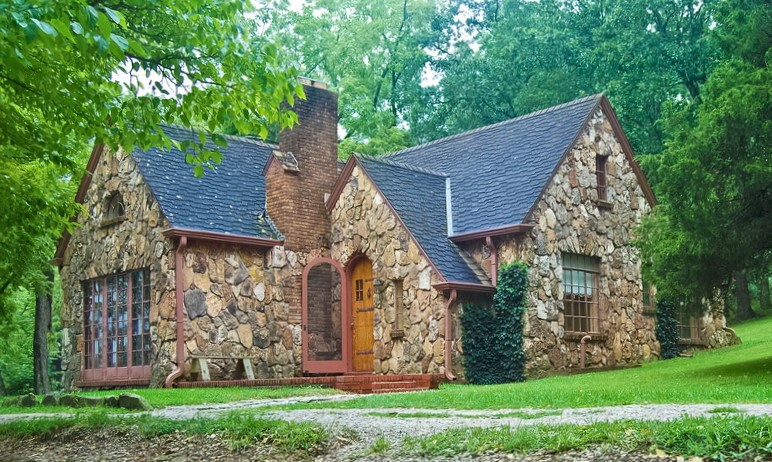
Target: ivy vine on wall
x: 667, y: 328
x: 493, y: 334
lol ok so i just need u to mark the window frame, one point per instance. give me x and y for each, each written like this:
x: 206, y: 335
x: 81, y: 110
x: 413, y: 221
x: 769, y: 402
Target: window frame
x: 687, y: 322
x: 601, y: 175
x: 111, y: 327
x: 115, y: 209
x: 580, y: 314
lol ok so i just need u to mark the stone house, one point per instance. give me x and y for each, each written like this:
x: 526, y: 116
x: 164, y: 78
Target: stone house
x: 282, y: 258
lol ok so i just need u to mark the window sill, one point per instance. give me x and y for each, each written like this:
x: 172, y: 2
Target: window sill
x: 649, y: 311
x: 602, y: 204
x: 397, y: 334
x: 112, y: 221
x: 691, y: 341
x: 596, y: 337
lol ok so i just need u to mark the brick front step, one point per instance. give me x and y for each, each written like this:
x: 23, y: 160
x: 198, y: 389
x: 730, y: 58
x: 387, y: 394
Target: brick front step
x: 354, y: 383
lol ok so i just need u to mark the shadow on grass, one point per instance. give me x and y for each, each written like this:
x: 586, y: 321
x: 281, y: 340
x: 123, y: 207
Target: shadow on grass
x: 739, y: 369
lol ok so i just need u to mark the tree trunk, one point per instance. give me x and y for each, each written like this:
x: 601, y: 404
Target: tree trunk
x: 744, y: 310
x: 3, y: 391
x: 766, y: 303
x: 40, y: 338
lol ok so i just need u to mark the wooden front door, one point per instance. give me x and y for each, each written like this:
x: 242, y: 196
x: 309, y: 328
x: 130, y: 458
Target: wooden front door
x: 362, y: 315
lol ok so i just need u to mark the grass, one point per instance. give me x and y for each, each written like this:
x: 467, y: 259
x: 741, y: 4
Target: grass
x: 716, y: 438
x: 162, y: 397
x: 241, y: 431
x: 725, y: 410
x: 738, y: 374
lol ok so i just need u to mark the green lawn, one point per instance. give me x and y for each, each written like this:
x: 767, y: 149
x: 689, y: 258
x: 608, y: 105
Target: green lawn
x: 739, y: 374
x: 162, y: 397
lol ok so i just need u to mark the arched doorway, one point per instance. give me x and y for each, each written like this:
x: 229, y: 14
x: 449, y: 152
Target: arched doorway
x: 325, y: 314
x: 362, y: 314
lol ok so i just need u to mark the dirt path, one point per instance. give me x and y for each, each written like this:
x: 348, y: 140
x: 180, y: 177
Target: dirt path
x: 396, y: 424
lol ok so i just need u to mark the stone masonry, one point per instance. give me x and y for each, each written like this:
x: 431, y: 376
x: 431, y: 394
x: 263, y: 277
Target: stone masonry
x: 99, y: 247
x: 410, y: 341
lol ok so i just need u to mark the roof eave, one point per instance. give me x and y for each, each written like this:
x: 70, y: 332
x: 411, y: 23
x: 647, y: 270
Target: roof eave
x: 211, y: 236
x: 464, y: 287
x: 340, y: 183
x: 80, y: 197
x: 500, y: 231
x: 628, y: 150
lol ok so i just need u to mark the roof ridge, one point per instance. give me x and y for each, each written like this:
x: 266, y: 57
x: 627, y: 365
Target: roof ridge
x: 597, y: 96
x: 226, y: 136
x: 380, y: 159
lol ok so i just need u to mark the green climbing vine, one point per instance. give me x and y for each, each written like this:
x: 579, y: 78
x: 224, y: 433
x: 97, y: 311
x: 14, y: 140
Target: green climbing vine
x: 493, y: 335
x: 667, y: 328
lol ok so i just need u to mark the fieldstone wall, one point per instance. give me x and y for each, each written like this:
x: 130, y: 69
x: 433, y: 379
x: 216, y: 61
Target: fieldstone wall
x: 99, y: 247
x: 409, y: 340
x: 235, y: 306
x: 570, y: 219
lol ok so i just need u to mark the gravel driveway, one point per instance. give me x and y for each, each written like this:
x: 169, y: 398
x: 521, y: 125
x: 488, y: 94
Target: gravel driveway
x: 396, y: 424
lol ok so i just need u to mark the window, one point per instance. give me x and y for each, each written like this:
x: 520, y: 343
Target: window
x: 116, y: 318
x: 359, y: 293
x: 115, y: 207
x: 688, y: 327
x: 399, y: 310
x: 600, y: 172
x: 580, y: 293
x: 649, y: 305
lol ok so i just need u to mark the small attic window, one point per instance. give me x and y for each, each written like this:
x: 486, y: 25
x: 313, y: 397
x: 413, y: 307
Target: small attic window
x: 600, y: 172
x: 116, y: 211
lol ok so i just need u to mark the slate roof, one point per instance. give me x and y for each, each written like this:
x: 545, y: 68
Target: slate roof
x: 229, y: 199
x: 418, y: 197
x: 497, y: 172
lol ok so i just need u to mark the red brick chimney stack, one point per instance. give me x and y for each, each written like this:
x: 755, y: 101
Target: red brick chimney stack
x: 295, y: 196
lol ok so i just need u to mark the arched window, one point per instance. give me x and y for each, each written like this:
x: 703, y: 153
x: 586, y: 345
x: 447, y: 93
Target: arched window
x: 115, y: 207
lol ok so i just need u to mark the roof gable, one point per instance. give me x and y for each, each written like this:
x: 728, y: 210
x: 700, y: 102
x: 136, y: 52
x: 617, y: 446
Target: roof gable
x: 227, y: 200
x: 499, y: 171
x: 418, y: 197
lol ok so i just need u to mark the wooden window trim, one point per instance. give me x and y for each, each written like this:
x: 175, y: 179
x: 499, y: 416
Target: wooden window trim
x: 126, y: 332
x: 601, y: 173
x: 581, y: 314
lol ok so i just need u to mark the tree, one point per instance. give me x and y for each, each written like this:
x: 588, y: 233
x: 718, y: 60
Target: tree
x: 74, y: 72
x: 374, y: 54
x: 714, y: 183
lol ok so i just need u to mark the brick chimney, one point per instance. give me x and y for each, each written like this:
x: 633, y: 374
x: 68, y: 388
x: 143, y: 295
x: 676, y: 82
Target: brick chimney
x: 295, y: 185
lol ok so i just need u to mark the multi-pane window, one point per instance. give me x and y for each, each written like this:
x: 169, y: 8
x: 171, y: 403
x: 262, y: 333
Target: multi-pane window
x: 600, y: 172
x: 580, y: 293
x: 688, y: 326
x: 116, y: 320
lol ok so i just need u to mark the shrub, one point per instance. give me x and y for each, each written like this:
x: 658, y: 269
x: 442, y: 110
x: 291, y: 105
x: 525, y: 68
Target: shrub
x: 667, y: 328
x: 493, y: 335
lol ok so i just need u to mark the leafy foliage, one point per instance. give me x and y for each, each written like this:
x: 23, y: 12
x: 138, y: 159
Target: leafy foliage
x: 713, y: 179
x: 667, y: 328
x: 493, y: 337
x: 74, y: 71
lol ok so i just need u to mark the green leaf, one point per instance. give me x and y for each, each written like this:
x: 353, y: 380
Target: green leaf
x: 76, y: 27
x: 45, y: 27
x: 114, y: 16
x: 122, y: 43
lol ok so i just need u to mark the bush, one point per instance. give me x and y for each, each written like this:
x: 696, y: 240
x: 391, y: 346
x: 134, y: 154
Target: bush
x: 667, y: 328
x: 493, y: 335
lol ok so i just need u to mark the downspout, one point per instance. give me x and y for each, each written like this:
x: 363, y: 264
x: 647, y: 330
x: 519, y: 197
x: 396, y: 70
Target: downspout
x: 179, y: 262
x: 494, y: 260
x: 449, y: 337
x: 583, y: 349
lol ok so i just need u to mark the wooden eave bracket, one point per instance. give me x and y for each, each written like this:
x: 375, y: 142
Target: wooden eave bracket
x: 221, y: 237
